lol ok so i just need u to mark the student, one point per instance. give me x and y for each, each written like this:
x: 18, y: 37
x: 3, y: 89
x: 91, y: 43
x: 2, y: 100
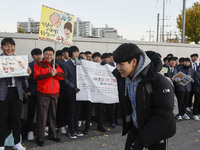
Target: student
x: 82, y: 55
x: 32, y: 95
x: 69, y: 69
x: 61, y: 114
x: 48, y: 87
x: 171, y: 67
x: 148, y: 120
x: 183, y: 92
x: 59, y: 56
x: 99, y: 106
x: 11, y: 95
x: 166, y: 62
x: 88, y: 55
x: 196, y: 90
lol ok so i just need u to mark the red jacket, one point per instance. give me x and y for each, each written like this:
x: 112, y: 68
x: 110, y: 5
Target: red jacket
x: 47, y: 85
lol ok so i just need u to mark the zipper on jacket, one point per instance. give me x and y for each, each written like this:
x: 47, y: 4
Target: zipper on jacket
x: 144, y: 97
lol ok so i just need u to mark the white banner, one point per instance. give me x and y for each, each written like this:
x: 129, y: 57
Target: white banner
x: 96, y: 83
x: 12, y: 66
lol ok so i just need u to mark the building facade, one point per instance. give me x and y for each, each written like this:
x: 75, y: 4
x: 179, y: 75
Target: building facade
x: 29, y: 27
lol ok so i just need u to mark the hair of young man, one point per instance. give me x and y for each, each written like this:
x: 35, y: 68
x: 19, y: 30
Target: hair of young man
x: 194, y: 55
x: 7, y: 40
x: 126, y: 52
x: 48, y: 49
x: 105, y: 55
x: 181, y: 59
x: 65, y: 49
x: 187, y: 59
x: 172, y: 59
x: 176, y: 58
x: 36, y: 51
x: 165, y: 59
x: 111, y: 54
x: 82, y: 53
x: 170, y: 55
x: 73, y: 49
x: 88, y: 52
x: 59, y: 53
x: 96, y: 54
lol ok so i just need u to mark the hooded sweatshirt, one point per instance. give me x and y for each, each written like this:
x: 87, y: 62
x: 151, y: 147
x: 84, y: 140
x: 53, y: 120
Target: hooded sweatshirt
x: 131, y: 84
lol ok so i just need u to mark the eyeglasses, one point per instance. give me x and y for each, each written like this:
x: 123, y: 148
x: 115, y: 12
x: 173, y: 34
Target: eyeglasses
x: 49, y: 54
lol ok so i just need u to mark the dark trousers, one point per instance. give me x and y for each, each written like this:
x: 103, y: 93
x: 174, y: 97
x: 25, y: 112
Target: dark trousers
x: 32, y: 106
x: 10, y: 116
x: 87, y: 112
x: 132, y: 136
x: 110, y: 113
x: 182, y: 98
x: 196, y: 107
x: 190, y: 97
x: 99, y: 114
x: 46, y: 109
x: 73, y: 108
x: 61, y: 114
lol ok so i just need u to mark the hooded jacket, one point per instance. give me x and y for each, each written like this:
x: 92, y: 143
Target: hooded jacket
x: 154, y: 111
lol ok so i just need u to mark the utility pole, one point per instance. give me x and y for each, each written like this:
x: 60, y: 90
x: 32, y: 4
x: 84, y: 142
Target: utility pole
x: 157, y: 27
x: 163, y: 31
x: 183, y: 24
x: 150, y: 31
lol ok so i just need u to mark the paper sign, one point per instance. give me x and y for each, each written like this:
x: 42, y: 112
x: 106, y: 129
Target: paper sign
x: 13, y: 66
x: 96, y: 83
x: 56, y: 26
x: 182, y: 78
x: 164, y: 70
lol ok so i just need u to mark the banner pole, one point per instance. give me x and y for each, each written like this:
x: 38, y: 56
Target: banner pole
x: 54, y: 57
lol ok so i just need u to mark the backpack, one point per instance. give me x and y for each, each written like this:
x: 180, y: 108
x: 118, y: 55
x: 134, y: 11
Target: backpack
x: 150, y: 90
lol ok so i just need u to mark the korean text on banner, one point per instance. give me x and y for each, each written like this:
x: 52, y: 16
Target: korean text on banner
x: 56, y: 26
x: 96, y: 83
x: 13, y: 66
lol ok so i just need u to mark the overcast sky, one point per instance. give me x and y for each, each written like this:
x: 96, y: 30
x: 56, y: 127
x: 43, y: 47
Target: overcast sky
x: 132, y: 18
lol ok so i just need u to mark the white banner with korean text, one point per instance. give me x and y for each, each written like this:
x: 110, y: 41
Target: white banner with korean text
x: 96, y: 83
x: 13, y: 66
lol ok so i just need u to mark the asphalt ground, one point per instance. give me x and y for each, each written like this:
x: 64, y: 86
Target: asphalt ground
x: 187, y: 138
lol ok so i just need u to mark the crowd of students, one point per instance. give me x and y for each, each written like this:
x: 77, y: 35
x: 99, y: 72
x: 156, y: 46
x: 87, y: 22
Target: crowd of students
x: 188, y: 96
x: 51, y: 93
x: 52, y: 89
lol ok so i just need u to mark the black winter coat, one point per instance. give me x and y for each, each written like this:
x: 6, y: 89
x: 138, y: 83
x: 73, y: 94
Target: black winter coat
x: 155, y: 117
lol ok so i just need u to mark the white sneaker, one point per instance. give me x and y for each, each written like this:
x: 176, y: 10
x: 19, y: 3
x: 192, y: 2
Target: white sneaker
x: 79, y: 123
x: 195, y: 117
x: 185, y: 116
x: 62, y: 130
x: 18, y: 147
x: 188, y: 109
x: 47, y: 129
x: 2, y: 148
x: 178, y: 117
x: 45, y: 133
x: 90, y: 124
x: 30, y: 136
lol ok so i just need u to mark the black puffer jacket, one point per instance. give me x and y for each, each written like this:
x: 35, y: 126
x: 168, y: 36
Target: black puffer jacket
x: 154, y: 111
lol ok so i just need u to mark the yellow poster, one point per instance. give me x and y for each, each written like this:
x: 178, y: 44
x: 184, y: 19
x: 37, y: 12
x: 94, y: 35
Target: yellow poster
x: 56, y: 26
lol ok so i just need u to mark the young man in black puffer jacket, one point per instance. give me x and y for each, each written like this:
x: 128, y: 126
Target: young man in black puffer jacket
x: 147, y: 118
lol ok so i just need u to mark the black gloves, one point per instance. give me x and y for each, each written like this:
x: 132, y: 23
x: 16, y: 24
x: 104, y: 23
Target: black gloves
x: 76, y: 90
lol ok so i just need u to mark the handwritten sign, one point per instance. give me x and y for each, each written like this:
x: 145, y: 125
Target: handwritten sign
x: 182, y: 78
x: 96, y: 83
x: 56, y: 26
x: 12, y: 66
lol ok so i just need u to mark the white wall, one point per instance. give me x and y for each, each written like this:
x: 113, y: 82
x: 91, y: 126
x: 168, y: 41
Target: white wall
x: 26, y: 42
